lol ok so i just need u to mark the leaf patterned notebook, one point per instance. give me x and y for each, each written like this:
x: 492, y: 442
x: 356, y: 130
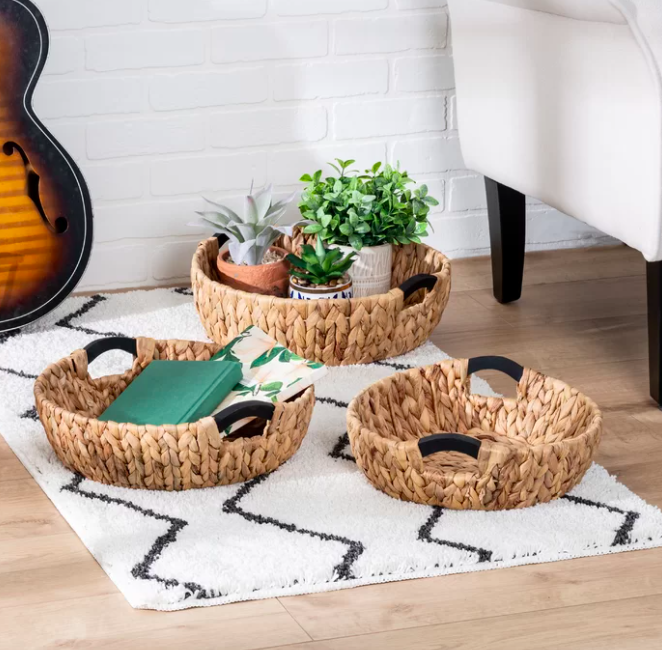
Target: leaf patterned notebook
x: 270, y: 372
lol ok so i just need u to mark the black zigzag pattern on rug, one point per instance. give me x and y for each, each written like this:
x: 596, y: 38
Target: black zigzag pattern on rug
x: 18, y: 373
x: 393, y: 364
x: 425, y: 535
x: 342, y: 571
x: 143, y: 570
x: 66, y: 322
x: 338, y: 451
x: 89, y: 305
x: 623, y: 533
x: 4, y: 337
x: 30, y: 414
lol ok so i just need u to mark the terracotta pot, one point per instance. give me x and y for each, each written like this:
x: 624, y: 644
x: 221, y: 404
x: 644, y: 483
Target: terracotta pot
x: 313, y: 292
x: 269, y: 279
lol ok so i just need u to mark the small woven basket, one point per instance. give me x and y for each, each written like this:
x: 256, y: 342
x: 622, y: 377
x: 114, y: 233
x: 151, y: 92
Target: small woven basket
x: 332, y: 332
x: 502, y: 453
x: 168, y: 457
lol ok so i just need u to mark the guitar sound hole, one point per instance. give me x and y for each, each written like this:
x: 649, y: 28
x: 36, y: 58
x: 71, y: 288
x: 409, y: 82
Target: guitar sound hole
x: 61, y: 224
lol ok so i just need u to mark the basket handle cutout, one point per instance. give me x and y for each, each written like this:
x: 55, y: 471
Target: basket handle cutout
x: 98, y: 347
x: 250, y: 409
x: 449, y: 442
x: 503, y: 364
x: 416, y: 282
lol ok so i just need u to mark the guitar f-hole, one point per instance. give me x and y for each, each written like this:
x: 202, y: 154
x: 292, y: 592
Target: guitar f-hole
x: 32, y: 178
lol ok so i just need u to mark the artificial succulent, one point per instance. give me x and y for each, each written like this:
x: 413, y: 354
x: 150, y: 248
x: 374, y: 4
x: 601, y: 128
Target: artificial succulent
x: 250, y: 236
x: 320, y: 265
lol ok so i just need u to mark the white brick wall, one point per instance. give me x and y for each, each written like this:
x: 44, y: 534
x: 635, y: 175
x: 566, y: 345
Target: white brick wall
x: 160, y: 101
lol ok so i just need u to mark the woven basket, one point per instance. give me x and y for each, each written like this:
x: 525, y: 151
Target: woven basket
x: 333, y: 332
x: 168, y: 457
x: 503, y: 453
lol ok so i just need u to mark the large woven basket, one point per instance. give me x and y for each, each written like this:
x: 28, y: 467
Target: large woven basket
x: 169, y: 457
x: 422, y: 436
x: 333, y: 332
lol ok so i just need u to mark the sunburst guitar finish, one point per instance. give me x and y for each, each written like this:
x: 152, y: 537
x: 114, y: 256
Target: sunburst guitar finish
x: 45, y: 210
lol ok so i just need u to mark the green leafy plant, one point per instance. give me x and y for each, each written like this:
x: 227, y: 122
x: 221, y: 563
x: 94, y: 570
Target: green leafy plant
x: 253, y: 234
x: 368, y: 209
x: 320, y: 265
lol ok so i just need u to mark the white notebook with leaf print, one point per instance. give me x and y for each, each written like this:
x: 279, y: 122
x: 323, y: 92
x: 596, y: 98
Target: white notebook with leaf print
x: 270, y: 372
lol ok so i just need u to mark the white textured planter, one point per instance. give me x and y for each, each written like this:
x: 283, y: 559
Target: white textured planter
x: 320, y: 293
x: 371, y: 271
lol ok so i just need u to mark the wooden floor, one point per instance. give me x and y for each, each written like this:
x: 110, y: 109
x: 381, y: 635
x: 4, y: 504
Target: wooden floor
x: 582, y: 318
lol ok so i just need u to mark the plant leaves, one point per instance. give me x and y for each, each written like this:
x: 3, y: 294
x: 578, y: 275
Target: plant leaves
x: 312, y: 229
x: 356, y: 242
x: 251, y: 210
x: 223, y: 209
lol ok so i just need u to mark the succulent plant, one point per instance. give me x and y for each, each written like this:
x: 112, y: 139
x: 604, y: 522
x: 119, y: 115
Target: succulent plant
x: 250, y: 236
x: 320, y: 265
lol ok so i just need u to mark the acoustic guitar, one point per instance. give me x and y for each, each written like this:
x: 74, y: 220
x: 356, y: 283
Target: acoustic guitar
x: 45, y: 209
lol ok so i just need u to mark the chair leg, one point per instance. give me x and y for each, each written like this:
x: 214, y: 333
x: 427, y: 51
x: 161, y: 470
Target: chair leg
x: 654, y: 283
x: 506, y: 210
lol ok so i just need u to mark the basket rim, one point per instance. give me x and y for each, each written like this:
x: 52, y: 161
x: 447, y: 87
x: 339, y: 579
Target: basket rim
x: 443, y: 276
x: 67, y: 364
x: 356, y: 426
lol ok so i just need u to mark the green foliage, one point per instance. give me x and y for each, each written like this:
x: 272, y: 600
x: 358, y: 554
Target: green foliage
x: 253, y: 234
x: 320, y: 265
x: 368, y: 209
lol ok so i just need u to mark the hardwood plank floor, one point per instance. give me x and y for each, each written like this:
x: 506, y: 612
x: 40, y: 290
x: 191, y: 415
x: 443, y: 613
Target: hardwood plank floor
x: 581, y: 318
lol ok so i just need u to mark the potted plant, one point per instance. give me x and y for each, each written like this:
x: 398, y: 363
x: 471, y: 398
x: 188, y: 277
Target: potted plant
x: 320, y: 273
x: 367, y: 213
x: 251, y: 262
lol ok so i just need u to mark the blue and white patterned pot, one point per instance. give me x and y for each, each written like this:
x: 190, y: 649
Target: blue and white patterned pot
x: 324, y: 293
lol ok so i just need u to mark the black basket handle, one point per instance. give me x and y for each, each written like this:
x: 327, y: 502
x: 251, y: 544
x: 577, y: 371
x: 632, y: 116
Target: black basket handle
x: 98, y: 347
x: 250, y: 409
x: 222, y: 238
x: 503, y: 364
x: 416, y: 282
x: 449, y: 442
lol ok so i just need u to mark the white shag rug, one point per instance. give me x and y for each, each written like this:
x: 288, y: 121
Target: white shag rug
x: 316, y: 524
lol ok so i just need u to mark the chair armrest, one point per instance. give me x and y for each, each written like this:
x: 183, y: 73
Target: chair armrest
x: 601, y: 11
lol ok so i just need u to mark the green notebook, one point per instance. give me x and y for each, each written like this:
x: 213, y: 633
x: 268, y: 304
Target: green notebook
x: 174, y: 392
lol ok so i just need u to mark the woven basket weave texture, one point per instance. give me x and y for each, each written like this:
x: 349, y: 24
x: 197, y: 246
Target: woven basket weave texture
x: 534, y: 448
x: 170, y: 457
x: 333, y: 332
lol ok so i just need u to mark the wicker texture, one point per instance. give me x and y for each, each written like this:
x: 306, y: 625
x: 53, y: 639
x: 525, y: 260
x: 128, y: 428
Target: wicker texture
x: 333, y: 332
x: 170, y: 457
x: 534, y: 448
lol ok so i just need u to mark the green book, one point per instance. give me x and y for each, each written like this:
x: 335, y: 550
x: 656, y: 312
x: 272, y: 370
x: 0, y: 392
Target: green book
x: 174, y: 392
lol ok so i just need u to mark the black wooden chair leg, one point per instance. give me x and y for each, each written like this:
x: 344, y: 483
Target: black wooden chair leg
x: 654, y: 283
x: 507, y: 216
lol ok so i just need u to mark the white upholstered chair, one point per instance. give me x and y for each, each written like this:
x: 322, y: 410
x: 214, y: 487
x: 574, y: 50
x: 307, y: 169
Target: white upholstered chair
x: 561, y: 100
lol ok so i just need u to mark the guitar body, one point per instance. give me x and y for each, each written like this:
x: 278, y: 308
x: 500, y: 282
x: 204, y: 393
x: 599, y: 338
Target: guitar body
x: 45, y: 209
